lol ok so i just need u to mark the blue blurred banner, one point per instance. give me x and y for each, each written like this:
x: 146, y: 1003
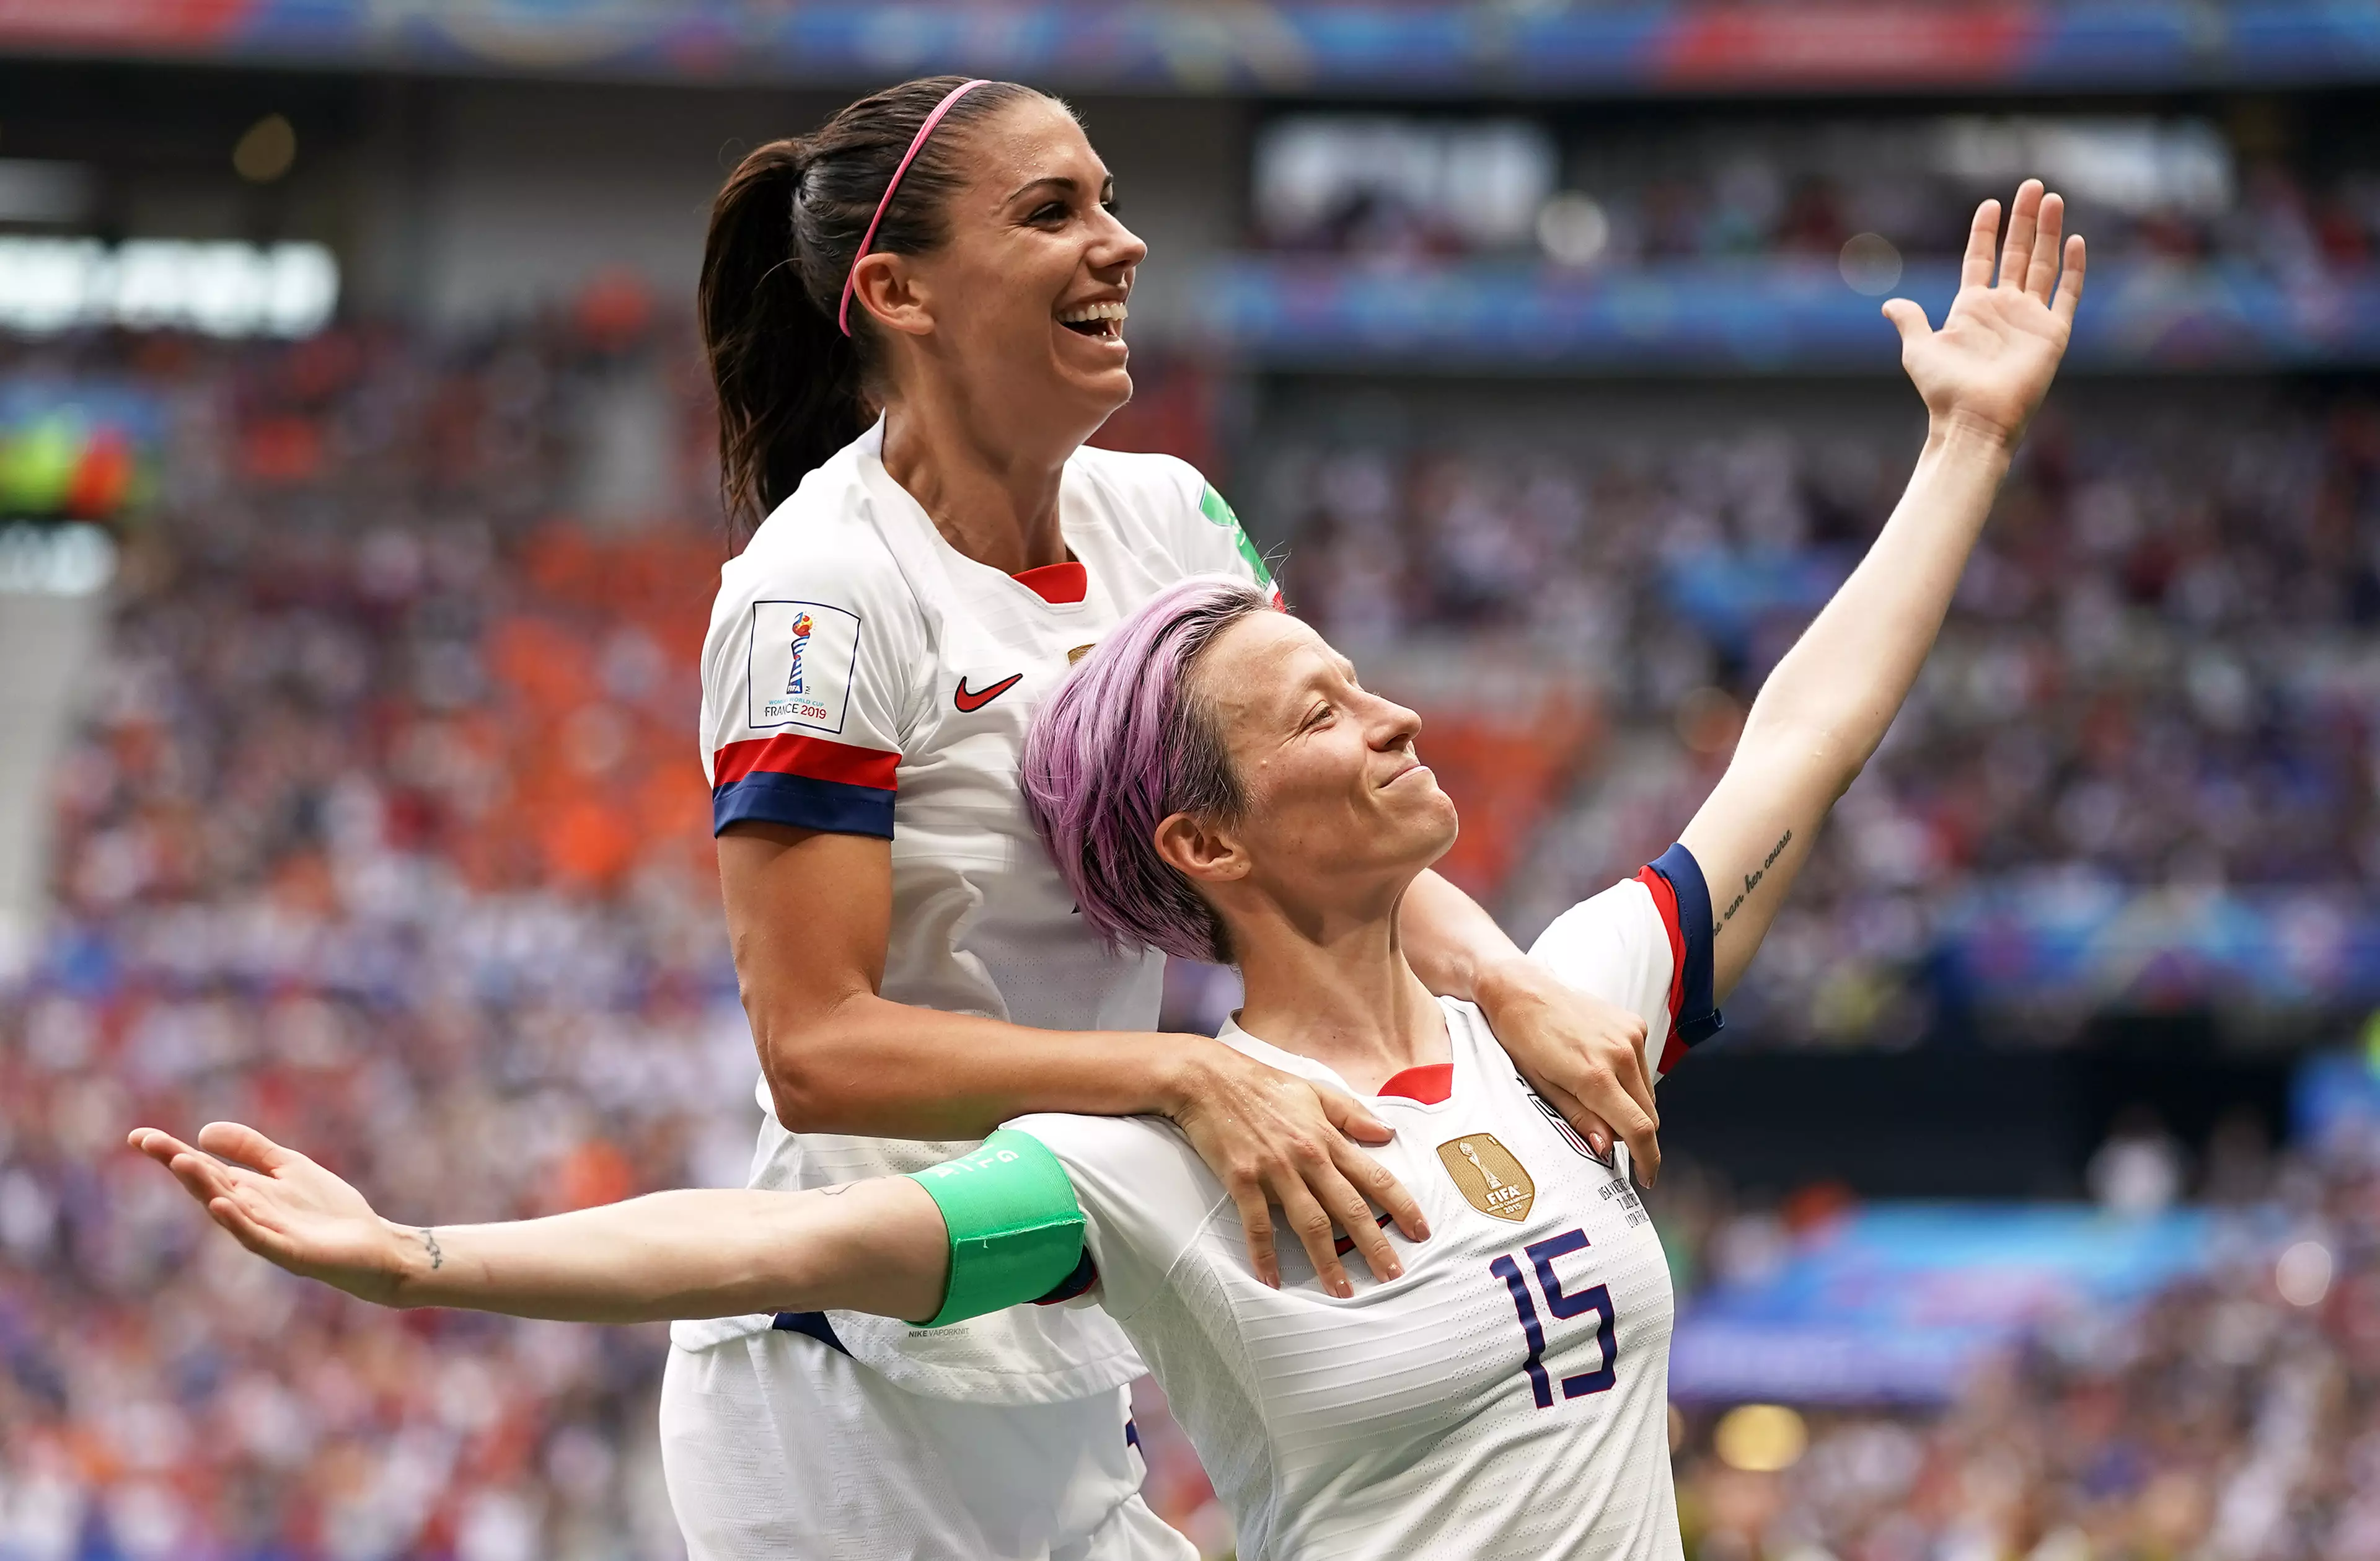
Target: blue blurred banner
x: 1410, y: 47
x: 1736, y: 315
x: 2087, y: 942
x: 1899, y: 1303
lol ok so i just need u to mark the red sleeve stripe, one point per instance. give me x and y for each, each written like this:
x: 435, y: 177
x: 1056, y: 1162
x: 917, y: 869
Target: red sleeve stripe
x: 1665, y: 899
x: 812, y: 758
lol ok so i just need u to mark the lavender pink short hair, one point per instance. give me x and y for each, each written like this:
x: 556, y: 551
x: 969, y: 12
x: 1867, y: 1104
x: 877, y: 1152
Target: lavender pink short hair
x: 1123, y: 744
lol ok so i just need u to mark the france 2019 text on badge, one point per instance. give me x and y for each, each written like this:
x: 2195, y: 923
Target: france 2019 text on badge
x: 802, y: 654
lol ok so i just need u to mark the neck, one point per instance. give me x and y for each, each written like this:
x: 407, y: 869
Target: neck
x: 1340, y: 992
x: 993, y: 499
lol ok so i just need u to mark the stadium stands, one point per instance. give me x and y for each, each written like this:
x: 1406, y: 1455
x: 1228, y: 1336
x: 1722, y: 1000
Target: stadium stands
x: 387, y: 832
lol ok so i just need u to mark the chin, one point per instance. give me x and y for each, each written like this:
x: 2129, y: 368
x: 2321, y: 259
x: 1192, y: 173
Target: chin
x: 1429, y: 834
x: 1110, y: 391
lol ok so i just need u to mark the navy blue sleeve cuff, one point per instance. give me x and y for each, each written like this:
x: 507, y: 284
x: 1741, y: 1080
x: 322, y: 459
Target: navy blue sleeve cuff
x: 1697, y: 1018
x: 800, y: 802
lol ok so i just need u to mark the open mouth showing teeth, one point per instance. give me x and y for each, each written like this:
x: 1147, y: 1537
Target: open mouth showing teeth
x: 1101, y: 320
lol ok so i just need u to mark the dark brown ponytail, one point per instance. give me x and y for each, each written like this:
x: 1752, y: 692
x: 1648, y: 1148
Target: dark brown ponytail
x: 792, y: 389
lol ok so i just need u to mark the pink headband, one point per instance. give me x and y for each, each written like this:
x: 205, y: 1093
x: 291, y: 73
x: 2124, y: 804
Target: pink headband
x: 843, y: 315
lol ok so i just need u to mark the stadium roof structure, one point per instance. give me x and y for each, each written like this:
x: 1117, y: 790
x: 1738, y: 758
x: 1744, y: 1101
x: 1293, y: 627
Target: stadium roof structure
x: 1490, y: 47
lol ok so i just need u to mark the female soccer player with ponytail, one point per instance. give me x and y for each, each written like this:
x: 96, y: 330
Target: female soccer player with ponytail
x: 915, y: 319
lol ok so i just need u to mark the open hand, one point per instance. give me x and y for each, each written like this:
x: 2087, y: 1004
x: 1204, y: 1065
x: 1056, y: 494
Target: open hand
x: 283, y: 1207
x: 1274, y: 1139
x: 1990, y: 364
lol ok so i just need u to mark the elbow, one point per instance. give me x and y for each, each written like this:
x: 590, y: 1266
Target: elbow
x: 799, y: 1093
x: 808, y: 1090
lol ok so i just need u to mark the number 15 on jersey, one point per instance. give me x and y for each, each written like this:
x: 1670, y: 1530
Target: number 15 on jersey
x: 1541, y: 1256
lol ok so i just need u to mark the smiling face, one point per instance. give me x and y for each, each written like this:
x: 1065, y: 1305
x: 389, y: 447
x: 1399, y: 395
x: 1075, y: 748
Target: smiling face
x: 1021, y: 312
x: 1340, y: 813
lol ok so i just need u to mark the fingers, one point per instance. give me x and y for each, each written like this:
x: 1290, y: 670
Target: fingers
x: 1256, y: 1219
x: 243, y: 1145
x: 2069, y: 284
x: 202, y: 1178
x: 1639, y: 1085
x: 1641, y: 1133
x: 1352, y: 1214
x: 1312, y: 1225
x: 1587, y: 1124
x: 1976, y: 268
x: 2024, y: 217
x: 2041, y: 275
x: 157, y: 1144
x: 1347, y: 1114
x: 1376, y: 1183
x: 1908, y: 319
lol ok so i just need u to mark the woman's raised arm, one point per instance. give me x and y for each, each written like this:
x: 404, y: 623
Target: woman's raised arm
x: 1827, y: 705
x: 876, y: 1246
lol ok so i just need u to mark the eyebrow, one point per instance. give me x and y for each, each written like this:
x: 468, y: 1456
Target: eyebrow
x: 1062, y: 181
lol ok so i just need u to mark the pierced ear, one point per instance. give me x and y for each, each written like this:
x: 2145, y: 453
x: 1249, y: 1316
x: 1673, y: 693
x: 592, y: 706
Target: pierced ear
x: 885, y: 288
x: 1199, y: 850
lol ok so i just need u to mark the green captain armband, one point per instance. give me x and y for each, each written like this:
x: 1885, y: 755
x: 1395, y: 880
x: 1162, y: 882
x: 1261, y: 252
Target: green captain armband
x: 1016, y: 1231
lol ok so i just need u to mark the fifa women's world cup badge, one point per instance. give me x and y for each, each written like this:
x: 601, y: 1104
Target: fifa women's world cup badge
x: 801, y: 639
x: 803, y: 653
x: 1488, y: 1176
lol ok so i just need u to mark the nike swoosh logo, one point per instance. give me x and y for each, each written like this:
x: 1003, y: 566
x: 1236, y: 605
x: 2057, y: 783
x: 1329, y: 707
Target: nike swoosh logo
x: 969, y: 699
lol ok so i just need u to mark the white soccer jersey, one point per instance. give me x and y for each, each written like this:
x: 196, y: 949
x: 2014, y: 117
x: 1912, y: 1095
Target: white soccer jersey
x: 862, y: 675
x: 1507, y: 1399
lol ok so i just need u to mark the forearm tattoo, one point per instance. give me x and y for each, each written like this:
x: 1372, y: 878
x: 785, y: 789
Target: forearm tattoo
x: 430, y: 1239
x: 1750, y: 882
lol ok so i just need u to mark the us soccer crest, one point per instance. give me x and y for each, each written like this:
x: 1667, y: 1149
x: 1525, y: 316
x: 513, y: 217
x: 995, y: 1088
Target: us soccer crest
x: 1488, y: 1175
x: 803, y: 653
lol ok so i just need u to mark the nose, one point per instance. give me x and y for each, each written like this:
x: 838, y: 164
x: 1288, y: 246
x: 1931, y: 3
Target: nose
x: 1116, y: 249
x: 1393, y: 725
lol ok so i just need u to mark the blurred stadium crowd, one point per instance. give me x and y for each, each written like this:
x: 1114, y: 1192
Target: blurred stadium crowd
x: 387, y: 834
x: 1655, y: 189
x: 2158, y: 679
x: 2236, y: 1417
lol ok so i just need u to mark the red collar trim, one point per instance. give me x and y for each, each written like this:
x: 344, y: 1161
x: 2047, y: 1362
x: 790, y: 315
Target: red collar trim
x: 1426, y: 1085
x: 1060, y: 585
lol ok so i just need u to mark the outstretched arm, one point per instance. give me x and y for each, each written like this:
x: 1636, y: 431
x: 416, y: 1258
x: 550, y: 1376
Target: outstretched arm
x: 1827, y: 705
x: 875, y: 1246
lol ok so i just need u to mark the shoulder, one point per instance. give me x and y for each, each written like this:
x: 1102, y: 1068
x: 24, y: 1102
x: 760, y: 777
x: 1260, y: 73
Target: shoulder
x: 1127, y: 1170
x: 821, y: 542
x: 1099, y: 1143
x: 1623, y: 910
x: 1143, y: 1194
x: 1141, y: 496
x: 1167, y: 484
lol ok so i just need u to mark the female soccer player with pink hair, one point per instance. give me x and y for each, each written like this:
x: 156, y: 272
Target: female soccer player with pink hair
x: 1215, y: 783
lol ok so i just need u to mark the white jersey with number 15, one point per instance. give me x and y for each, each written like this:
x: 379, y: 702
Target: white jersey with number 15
x: 1506, y: 1399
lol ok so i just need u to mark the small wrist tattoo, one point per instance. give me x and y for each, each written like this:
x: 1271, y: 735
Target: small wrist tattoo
x: 430, y: 1239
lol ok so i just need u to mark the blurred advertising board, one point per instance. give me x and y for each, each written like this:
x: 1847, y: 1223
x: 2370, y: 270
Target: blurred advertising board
x: 1632, y: 47
x: 74, y: 451
x: 1900, y: 1303
x: 1699, y: 316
